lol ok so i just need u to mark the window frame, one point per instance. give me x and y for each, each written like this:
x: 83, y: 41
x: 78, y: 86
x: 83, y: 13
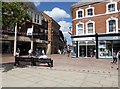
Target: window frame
x: 78, y: 11
x: 93, y: 27
x: 92, y: 10
x: 107, y: 25
x: 115, y: 3
x: 79, y: 28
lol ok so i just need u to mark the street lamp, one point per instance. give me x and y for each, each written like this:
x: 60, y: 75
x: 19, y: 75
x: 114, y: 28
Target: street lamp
x: 15, y: 39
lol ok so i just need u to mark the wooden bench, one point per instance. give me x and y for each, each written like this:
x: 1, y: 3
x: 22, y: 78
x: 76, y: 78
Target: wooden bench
x: 33, y: 60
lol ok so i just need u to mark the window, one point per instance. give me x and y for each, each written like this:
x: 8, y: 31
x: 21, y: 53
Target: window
x: 90, y: 27
x: 80, y: 13
x: 79, y: 28
x: 112, y: 25
x: 90, y: 11
x: 111, y: 7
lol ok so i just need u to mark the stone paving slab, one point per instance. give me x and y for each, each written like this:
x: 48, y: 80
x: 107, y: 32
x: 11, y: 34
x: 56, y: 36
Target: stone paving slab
x: 67, y: 72
x: 35, y: 77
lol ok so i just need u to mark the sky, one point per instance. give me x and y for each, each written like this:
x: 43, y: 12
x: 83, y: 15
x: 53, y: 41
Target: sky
x: 60, y: 12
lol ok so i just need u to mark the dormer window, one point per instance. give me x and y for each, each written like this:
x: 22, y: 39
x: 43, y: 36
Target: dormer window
x: 111, y: 7
x: 80, y: 13
x: 90, y: 11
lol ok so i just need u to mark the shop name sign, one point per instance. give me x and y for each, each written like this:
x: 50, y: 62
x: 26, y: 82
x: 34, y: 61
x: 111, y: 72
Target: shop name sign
x: 115, y: 38
x: 29, y: 31
x: 4, y: 36
x: 109, y: 38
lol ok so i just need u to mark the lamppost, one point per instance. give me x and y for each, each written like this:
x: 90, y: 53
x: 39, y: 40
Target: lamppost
x: 86, y: 48
x: 15, y: 39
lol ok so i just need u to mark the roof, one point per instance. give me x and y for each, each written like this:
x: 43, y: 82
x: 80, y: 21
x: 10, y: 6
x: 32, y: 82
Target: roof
x: 88, y: 2
x: 50, y: 18
x: 81, y: 4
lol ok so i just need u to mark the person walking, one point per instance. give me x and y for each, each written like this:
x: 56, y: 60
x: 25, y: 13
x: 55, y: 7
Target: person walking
x: 118, y: 57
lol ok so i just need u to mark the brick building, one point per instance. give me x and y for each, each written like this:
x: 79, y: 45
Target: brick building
x: 46, y: 34
x: 55, y: 36
x: 23, y: 41
x: 96, y: 28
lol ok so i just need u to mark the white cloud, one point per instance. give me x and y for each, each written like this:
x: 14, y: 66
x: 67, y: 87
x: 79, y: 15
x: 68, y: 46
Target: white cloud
x: 65, y: 29
x: 37, y: 3
x: 57, y: 13
x: 64, y: 26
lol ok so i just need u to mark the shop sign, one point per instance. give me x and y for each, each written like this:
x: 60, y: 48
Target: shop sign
x: 29, y: 32
x: 4, y: 36
x: 109, y: 38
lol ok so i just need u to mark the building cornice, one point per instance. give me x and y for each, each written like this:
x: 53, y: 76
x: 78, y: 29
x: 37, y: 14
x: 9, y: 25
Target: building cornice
x: 96, y: 34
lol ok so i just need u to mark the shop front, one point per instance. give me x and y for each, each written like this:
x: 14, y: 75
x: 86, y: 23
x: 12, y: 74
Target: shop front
x: 97, y: 45
x: 107, y: 45
x: 86, y: 47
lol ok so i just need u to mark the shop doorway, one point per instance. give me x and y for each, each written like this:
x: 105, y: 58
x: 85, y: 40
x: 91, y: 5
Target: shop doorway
x: 24, y: 47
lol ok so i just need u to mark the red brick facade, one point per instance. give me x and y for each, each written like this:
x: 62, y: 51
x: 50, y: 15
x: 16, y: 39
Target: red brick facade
x: 96, y: 28
x: 99, y: 17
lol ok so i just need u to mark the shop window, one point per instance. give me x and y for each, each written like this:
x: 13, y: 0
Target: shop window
x: 90, y: 27
x: 80, y: 29
x: 111, y: 7
x: 105, y: 49
x: 80, y: 13
x: 112, y: 25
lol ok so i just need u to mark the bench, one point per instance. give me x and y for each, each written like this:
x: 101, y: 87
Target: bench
x: 33, y: 60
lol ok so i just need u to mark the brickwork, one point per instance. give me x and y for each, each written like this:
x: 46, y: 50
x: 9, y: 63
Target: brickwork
x: 99, y: 17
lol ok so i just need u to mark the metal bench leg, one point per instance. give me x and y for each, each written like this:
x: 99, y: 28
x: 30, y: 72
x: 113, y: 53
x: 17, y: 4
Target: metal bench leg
x: 51, y: 63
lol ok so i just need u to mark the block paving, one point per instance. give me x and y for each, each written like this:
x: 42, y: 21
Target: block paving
x: 67, y: 72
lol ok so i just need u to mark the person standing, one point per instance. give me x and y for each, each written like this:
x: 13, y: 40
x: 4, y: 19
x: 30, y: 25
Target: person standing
x: 30, y: 52
x: 114, y: 58
x: 36, y: 52
x: 118, y: 57
x: 18, y: 52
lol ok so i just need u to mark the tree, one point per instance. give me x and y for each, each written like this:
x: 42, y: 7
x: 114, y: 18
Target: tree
x: 12, y: 13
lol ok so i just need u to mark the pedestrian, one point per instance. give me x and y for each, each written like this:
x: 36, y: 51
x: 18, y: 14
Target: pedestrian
x: 68, y: 51
x: 30, y: 52
x: 36, y: 52
x: 114, y: 58
x: 118, y: 57
x: 18, y: 52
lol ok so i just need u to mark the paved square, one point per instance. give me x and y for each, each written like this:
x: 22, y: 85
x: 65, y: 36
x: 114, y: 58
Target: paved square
x: 67, y: 72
